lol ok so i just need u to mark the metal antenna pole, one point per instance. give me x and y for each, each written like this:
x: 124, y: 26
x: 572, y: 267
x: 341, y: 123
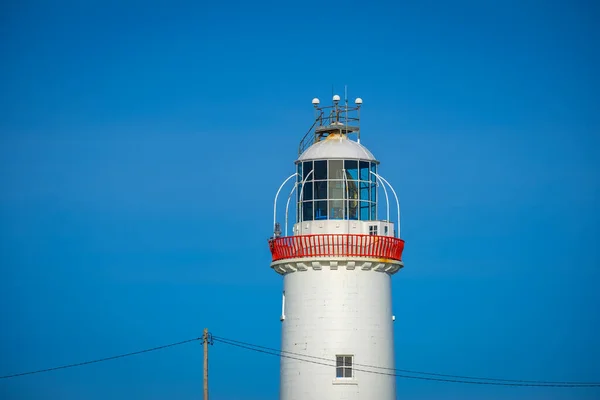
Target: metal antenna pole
x: 358, y: 122
x: 205, y: 343
x: 346, y: 100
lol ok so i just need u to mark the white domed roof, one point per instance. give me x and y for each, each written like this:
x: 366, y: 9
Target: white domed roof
x: 337, y: 146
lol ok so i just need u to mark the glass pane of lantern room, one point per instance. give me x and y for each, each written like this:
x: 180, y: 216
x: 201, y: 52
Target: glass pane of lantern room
x: 373, y: 192
x: 336, y: 190
x: 373, y: 169
x: 335, y: 169
x: 307, y: 211
x: 353, y: 209
x: 336, y: 209
x: 320, y: 190
x: 299, y: 176
x: 364, y: 170
x: 351, y: 167
x: 352, y: 190
x: 364, y: 190
x: 320, y: 170
x: 320, y: 210
x: 352, y: 196
x: 364, y: 211
x: 307, y: 193
x: 306, y: 168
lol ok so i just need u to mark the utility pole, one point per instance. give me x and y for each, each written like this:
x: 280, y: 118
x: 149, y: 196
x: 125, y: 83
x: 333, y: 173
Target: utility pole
x: 205, y: 342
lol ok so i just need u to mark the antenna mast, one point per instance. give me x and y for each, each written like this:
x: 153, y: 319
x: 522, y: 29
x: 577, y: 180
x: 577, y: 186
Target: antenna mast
x: 328, y: 120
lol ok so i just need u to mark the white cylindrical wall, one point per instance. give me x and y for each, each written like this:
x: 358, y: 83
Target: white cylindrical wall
x: 337, y: 312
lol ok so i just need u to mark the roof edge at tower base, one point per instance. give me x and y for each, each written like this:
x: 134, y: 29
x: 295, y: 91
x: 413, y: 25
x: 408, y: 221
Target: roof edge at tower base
x: 385, y: 265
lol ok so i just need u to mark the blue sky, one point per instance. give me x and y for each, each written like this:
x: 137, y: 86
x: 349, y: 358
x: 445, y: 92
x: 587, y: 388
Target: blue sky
x: 141, y: 145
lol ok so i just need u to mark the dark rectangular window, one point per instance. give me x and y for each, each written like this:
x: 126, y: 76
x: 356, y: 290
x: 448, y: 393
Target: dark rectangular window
x: 320, y: 190
x: 343, y: 366
x: 307, y: 211
x: 306, y: 168
x: 364, y: 171
x: 320, y: 210
x: 307, y: 193
x: 320, y: 170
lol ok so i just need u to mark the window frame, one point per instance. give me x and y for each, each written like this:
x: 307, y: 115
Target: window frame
x: 321, y: 169
x: 344, y: 367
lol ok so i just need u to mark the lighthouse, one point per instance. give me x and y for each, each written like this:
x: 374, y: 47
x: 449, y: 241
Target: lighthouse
x: 336, y: 248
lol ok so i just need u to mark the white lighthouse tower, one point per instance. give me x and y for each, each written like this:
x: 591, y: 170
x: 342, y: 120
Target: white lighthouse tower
x: 336, y: 313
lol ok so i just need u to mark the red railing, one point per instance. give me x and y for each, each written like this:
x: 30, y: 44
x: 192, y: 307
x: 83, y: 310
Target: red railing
x: 336, y: 245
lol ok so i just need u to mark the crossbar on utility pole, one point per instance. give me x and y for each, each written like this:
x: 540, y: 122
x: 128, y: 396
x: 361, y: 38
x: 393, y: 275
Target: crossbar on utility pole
x: 205, y: 343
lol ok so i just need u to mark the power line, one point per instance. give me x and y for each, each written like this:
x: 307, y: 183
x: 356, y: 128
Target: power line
x: 303, y: 358
x: 483, y: 381
x: 100, y: 359
x: 417, y: 372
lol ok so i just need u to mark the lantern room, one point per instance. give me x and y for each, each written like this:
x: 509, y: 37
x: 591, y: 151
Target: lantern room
x: 336, y: 180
